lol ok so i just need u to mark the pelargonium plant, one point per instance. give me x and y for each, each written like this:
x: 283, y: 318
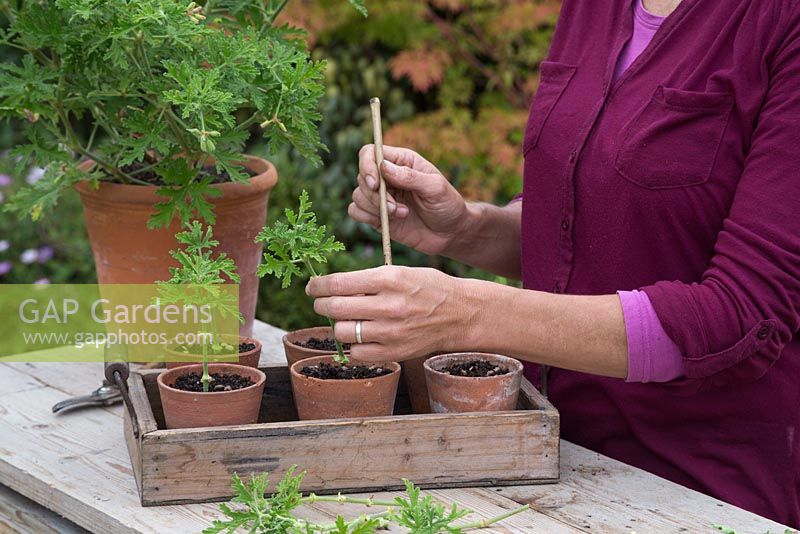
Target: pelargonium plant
x: 162, y: 89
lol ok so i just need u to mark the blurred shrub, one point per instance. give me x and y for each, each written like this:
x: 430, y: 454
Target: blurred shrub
x: 470, y: 68
x: 55, y: 250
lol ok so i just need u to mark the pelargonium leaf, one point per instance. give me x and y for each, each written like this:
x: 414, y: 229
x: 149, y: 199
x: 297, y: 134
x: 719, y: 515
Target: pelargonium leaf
x: 295, y: 244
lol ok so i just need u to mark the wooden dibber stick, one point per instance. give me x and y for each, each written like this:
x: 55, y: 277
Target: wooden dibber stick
x: 377, y: 131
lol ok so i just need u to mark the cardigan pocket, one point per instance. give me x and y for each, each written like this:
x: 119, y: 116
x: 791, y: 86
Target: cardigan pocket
x: 673, y: 142
x: 553, y: 79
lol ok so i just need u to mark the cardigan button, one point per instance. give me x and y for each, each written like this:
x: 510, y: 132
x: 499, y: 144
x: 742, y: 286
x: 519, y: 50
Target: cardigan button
x: 573, y: 156
x: 763, y: 332
x: 565, y: 224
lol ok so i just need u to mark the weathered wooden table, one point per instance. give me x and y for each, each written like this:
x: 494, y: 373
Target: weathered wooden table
x: 71, y: 473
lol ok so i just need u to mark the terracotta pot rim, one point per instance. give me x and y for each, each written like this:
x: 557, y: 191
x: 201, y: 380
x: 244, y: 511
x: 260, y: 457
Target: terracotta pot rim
x: 242, y: 339
x: 232, y: 192
x: 186, y: 369
x: 315, y: 352
x: 514, y: 365
x: 294, y: 370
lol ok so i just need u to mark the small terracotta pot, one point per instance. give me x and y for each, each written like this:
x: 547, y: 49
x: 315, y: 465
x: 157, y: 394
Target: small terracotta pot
x: 248, y: 359
x: 127, y: 252
x: 295, y: 353
x: 457, y: 394
x: 187, y: 409
x: 336, y: 399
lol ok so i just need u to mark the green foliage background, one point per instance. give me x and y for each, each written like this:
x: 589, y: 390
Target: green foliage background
x: 455, y: 78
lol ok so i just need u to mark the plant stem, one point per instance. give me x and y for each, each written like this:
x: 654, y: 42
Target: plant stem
x: 137, y: 181
x: 277, y: 11
x: 11, y: 13
x: 206, y: 377
x: 248, y: 123
x: 90, y: 142
x: 144, y: 169
x: 341, y: 499
x: 340, y: 357
x: 71, y: 140
x: 361, y: 519
x: 483, y: 523
x: 175, y: 129
x: 174, y: 122
x: 103, y: 94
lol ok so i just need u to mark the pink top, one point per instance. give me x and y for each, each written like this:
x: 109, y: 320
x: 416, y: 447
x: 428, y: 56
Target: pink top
x: 645, y: 26
x: 652, y: 355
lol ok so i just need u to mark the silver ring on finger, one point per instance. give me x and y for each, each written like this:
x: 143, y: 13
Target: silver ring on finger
x: 358, y: 332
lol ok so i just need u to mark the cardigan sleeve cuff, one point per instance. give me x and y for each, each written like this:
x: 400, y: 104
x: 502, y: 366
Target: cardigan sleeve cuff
x: 652, y: 355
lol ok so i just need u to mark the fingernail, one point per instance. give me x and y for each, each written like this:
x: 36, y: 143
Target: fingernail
x: 389, y: 166
x: 371, y: 182
x: 402, y: 211
x: 392, y: 207
x: 308, y: 288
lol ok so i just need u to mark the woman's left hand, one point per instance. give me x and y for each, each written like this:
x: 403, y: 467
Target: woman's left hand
x: 405, y: 312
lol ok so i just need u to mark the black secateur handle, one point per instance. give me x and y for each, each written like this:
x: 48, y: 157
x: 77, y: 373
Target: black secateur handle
x: 117, y: 370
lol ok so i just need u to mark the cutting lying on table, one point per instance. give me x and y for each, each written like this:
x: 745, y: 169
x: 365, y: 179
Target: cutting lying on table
x: 419, y: 513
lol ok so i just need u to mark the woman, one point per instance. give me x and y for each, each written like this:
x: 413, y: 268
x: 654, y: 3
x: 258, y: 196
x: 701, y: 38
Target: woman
x: 658, y: 239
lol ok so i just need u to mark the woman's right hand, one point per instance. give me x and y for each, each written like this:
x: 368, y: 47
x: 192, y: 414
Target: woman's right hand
x: 425, y: 211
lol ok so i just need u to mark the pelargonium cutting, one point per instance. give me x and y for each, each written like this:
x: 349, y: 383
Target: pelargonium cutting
x: 197, y: 281
x: 294, y: 246
x: 420, y: 514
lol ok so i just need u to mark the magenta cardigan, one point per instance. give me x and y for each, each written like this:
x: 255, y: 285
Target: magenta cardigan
x: 679, y: 179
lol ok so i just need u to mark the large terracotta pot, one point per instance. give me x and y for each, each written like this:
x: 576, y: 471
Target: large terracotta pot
x: 295, y: 353
x: 187, y: 409
x: 248, y: 359
x: 458, y: 394
x: 127, y: 252
x: 336, y: 399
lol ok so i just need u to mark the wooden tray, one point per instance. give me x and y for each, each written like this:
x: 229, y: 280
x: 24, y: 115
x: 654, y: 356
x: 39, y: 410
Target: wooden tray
x: 355, y: 455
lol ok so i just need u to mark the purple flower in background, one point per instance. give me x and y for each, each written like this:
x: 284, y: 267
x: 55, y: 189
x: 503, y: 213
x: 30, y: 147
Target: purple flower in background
x: 5, y: 180
x: 4, y: 245
x: 45, y: 254
x: 5, y: 267
x: 29, y: 256
x: 35, y: 175
x: 43, y: 281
